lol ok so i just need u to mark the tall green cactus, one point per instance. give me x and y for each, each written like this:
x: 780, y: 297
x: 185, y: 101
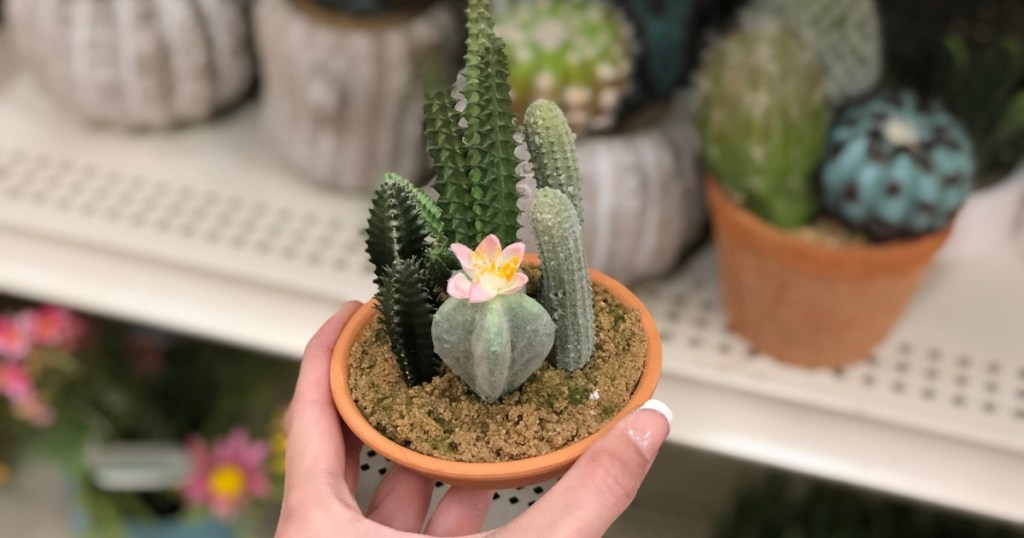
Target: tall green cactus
x: 552, y: 148
x: 474, y: 152
x: 565, y: 282
x: 401, y: 220
x: 407, y: 308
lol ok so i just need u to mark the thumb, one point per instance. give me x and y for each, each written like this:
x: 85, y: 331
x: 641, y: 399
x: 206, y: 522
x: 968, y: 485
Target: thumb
x: 602, y: 483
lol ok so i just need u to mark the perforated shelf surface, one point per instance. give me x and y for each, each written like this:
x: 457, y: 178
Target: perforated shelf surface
x: 204, y: 231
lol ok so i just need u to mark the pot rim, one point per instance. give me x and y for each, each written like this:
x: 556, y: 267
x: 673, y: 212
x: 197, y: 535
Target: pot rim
x: 491, y: 472
x: 873, y: 259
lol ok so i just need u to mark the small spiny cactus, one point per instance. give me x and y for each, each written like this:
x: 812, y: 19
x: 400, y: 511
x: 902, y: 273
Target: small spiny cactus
x: 552, y: 148
x: 847, y: 35
x: 565, y: 283
x: 763, y: 118
x: 406, y: 305
x: 577, y: 53
x: 897, y: 166
x: 401, y: 220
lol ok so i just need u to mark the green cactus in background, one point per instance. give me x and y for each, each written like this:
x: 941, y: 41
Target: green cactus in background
x: 493, y: 346
x: 401, y: 236
x: 373, y: 7
x: 406, y: 305
x: 578, y: 53
x: 565, y: 282
x: 763, y: 118
x: 474, y: 151
x: 847, y: 35
x: 552, y: 148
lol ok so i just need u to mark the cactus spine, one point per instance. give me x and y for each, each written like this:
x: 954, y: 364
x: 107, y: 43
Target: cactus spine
x: 763, y: 120
x: 552, y: 148
x: 398, y: 241
x: 565, y: 282
x: 474, y: 153
x: 496, y: 345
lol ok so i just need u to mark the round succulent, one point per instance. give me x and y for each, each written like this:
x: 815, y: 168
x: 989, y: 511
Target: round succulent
x: 763, y: 119
x: 847, y: 35
x: 897, y: 166
x: 577, y: 53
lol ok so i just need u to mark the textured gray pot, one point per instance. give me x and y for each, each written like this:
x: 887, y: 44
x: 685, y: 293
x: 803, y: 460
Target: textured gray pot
x: 136, y: 63
x: 342, y: 97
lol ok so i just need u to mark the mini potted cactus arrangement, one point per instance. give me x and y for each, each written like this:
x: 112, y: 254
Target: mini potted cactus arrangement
x: 825, y: 215
x: 615, y: 69
x: 343, y: 84
x: 478, y: 364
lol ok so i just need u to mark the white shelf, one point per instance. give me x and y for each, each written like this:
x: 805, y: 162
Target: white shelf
x: 203, y: 231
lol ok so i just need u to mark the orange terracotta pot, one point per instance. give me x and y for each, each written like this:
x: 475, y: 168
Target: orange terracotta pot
x: 510, y: 474
x: 808, y: 303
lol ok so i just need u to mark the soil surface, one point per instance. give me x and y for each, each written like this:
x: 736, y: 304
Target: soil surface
x: 553, y: 409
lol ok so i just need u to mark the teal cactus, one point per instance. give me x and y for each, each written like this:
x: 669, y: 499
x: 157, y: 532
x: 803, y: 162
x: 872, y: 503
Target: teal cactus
x: 552, y: 148
x: 897, y: 166
x: 409, y: 280
x: 663, y: 30
x: 473, y: 151
x: 493, y: 346
x: 577, y: 53
x: 979, y: 75
x: 407, y: 306
x: 763, y: 119
x: 847, y: 35
x: 372, y: 7
x: 565, y: 283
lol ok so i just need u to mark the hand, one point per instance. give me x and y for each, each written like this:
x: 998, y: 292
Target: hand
x: 322, y: 459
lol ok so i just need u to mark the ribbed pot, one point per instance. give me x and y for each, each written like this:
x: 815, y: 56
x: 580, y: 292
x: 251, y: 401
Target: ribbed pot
x: 343, y: 95
x: 142, y: 64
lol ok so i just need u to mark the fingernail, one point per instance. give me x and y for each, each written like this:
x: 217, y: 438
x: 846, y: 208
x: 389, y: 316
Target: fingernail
x: 648, y: 430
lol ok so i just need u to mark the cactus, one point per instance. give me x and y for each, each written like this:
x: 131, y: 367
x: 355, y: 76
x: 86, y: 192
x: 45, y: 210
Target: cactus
x: 577, y: 53
x: 979, y: 75
x: 373, y: 7
x: 474, y: 152
x: 847, y: 35
x: 553, y: 151
x: 763, y: 118
x: 663, y: 28
x: 406, y: 305
x: 897, y: 166
x: 565, y: 282
x: 402, y: 219
x: 489, y: 333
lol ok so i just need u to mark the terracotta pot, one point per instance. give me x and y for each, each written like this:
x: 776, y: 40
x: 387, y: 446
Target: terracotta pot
x: 501, y: 475
x: 807, y: 303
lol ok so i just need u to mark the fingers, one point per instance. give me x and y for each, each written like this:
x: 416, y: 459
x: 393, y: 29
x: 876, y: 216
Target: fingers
x: 353, y: 447
x: 401, y: 500
x: 315, y: 453
x: 603, y: 483
x: 460, y: 512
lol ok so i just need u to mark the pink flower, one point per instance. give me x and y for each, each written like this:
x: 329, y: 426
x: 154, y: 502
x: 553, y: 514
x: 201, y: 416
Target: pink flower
x: 54, y: 326
x: 16, y: 336
x: 487, y: 271
x: 227, y: 475
x: 17, y: 386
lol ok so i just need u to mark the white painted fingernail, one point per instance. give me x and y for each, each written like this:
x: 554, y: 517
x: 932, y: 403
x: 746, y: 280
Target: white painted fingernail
x: 660, y: 407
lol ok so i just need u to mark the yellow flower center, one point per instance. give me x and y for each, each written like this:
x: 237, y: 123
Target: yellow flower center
x: 227, y: 481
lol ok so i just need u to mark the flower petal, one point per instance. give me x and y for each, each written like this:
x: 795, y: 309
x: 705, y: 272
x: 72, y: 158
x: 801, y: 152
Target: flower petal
x: 513, y: 252
x: 459, y: 286
x: 517, y: 283
x: 464, y: 254
x: 489, y: 249
x: 480, y: 294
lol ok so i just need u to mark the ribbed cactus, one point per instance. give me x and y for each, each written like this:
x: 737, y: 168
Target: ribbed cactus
x: 763, y: 118
x: 847, y: 35
x: 493, y: 346
x: 897, y: 166
x: 565, y: 282
x: 578, y: 53
x: 552, y: 148
x: 474, y: 151
x: 406, y: 306
x: 409, y: 281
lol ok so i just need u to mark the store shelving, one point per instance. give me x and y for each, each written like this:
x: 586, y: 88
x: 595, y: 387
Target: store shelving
x: 205, y: 232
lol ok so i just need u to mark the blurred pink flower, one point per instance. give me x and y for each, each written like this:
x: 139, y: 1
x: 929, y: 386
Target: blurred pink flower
x: 225, y: 477
x: 17, y: 386
x: 54, y: 326
x: 16, y: 336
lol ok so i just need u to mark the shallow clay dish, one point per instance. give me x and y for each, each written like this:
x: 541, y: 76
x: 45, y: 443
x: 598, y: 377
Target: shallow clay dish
x: 501, y: 475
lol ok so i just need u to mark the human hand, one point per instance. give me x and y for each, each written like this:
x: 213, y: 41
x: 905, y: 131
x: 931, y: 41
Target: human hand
x: 322, y: 473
